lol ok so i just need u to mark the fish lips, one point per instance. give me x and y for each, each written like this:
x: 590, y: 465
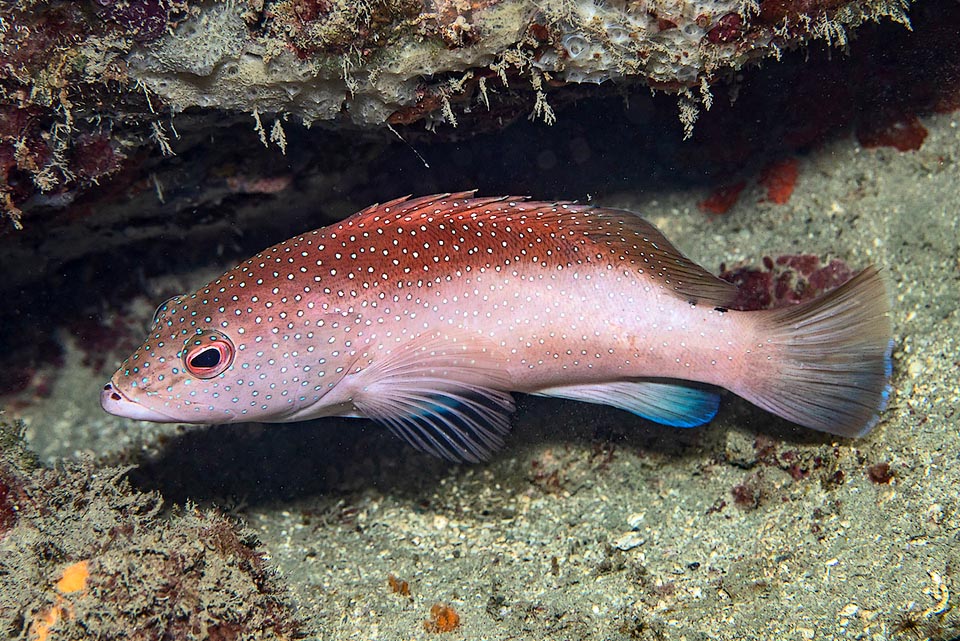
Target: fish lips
x: 115, y: 402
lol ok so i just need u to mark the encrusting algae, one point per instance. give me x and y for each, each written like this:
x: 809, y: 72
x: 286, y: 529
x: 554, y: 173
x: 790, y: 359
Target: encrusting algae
x: 73, y: 580
x: 86, y: 556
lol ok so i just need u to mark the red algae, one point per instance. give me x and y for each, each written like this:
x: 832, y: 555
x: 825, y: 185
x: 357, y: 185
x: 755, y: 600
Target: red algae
x: 880, y: 473
x: 141, y: 20
x: 94, y: 157
x: 29, y: 362
x: 747, y: 495
x: 819, y: 279
x: 443, y: 618
x: 903, y: 132
x: 780, y: 178
x: 722, y: 198
x: 8, y: 511
x: 754, y: 287
x: 727, y: 29
x: 99, y: 338
x: 786, y: 280
x: 795, y: 12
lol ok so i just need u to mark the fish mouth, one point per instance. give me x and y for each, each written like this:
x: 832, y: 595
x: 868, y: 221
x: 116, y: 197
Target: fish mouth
x: 115, y: 402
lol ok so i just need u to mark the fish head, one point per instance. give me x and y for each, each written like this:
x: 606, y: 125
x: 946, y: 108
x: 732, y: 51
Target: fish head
x: 230, y: 353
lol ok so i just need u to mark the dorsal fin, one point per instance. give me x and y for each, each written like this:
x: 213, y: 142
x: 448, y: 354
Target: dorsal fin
x: 632, y: 236
x: 409, y: 205
x: 627, y: 236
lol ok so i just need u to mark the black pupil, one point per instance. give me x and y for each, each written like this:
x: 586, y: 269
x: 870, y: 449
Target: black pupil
x: 209, y: 357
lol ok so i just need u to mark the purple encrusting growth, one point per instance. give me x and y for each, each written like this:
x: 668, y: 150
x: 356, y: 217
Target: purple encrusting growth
x: 425, y: 314
x: 143, y: 20
x: 784, y: 280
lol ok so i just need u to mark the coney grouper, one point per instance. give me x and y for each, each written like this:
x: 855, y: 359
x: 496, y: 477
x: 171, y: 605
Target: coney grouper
x: 425, y: 314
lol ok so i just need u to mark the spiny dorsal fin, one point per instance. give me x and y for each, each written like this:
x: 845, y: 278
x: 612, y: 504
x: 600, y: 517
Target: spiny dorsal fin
x: 631, y: 236
x: 627, y: 236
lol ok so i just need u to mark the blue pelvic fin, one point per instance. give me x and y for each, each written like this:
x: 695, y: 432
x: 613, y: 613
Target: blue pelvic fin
x: 668, y: 403
x: 459, y: 428
x: 442, y: 396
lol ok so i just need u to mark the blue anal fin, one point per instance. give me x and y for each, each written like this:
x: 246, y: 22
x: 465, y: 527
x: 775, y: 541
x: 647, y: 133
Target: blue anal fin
x: 673, y: 404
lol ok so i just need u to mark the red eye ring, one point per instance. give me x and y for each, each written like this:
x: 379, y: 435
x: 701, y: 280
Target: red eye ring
x: 208, y: 354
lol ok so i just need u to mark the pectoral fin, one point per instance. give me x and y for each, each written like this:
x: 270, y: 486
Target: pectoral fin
x: 442, y: 396
x: 667, y: 403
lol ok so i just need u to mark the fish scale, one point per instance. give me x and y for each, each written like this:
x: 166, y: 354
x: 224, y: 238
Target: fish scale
x: 424, y: 314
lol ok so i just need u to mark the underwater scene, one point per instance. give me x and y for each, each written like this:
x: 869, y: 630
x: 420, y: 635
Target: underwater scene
x: 480, y: 319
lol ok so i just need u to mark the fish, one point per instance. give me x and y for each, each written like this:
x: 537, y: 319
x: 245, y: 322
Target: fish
x: 426, y: 314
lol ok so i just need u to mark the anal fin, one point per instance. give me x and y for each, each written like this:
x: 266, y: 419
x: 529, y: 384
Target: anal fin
x: 669, y: 403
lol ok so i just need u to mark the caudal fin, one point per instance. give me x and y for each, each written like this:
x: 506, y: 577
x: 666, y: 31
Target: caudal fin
x: 834, y: 365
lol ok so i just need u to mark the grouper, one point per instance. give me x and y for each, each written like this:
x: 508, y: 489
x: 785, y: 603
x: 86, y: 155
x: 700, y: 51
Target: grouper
x: 425, y: 314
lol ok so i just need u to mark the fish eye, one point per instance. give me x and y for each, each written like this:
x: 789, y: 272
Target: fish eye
x: 207, y: 358
x: 208, y: 354
x: 164, y: 306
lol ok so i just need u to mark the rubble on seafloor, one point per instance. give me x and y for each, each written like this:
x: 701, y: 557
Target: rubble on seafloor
x: 83, y: 554
x: 85, y: 87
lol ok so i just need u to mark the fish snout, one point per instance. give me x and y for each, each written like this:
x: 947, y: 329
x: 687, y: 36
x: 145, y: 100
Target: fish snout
x: 115, y: 402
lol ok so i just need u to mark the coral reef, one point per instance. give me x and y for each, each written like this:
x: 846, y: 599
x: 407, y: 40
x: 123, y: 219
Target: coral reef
x: 401, y: 61
x: 65, y: 97
x: 83, y: 555
x: 85, y: 87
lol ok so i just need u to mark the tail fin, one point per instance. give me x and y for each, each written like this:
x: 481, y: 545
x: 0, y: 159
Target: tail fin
x: 833, y: 373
